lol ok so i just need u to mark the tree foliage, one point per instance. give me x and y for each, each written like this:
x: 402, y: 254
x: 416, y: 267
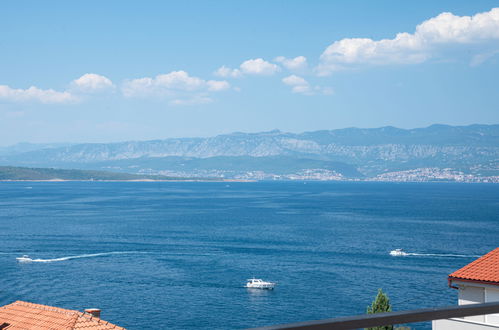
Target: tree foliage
x: 381, y: 304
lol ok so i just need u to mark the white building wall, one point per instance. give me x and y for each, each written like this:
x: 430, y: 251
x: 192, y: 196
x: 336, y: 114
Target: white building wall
x: 461, y: 324
x: 469, y: 294
x: 491, y: 295
x: 472, y: 293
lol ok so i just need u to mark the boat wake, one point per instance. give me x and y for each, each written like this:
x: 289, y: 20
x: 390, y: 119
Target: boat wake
x: 401, y: 253
x: 26, y: 258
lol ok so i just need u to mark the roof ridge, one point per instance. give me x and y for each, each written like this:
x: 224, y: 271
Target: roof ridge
x: 43, y: 307
x: 22, y: 314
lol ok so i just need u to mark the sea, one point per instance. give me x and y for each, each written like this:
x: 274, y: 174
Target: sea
x: 176, y: 255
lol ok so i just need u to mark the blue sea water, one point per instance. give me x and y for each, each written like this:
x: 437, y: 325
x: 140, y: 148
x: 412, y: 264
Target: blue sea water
x: 164, y: 255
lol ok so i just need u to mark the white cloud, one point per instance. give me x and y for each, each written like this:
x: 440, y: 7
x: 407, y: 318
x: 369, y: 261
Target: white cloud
x: 35, y: 94
x: 301, y: 86
x: 294, y: 80
x: 298, y: 84
x: 91, y: 82
x: 418, y: 47
x: 171, y: 84
x: 294, y: 64
x: 257, y: 67
x: 226, y: 72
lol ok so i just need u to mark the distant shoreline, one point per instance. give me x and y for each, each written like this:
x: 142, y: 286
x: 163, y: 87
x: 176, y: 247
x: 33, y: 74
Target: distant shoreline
x: 243, y: 181
x: 136, y: 180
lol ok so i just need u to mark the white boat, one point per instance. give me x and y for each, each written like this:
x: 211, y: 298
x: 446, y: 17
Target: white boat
x: 24, y: 258
x: 257, y: 283
x: 398, y: 253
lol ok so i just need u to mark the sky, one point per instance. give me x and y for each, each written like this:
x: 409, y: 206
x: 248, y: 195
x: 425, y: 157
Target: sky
x: 106, y: 71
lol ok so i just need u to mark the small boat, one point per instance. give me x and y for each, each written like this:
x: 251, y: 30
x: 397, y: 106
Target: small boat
x: 398, y: 253
x: 256, y: 283
x: 24, y: 258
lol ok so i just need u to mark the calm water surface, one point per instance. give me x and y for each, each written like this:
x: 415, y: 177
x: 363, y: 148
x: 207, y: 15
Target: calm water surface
x: 176, y: 255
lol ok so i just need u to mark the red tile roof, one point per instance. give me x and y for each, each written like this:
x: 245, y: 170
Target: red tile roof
x: 25, y: 315
x: 484, y: 270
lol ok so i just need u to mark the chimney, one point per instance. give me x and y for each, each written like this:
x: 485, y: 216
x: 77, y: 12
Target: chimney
x: 93, y: 311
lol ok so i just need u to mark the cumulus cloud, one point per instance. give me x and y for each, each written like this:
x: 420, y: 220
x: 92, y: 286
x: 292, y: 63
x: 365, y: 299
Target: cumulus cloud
x: 301, y: 86
x: 407, y: 48
x: 294, y: 64
x: 226, y: 72
x: 298, y: 84
x: 257, y: 67
x: 91, y: 82
x: 179, y: 86
x: 87, y: 83
x: 35, y: 94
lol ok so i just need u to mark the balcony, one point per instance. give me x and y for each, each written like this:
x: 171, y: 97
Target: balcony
x: 444, y: 318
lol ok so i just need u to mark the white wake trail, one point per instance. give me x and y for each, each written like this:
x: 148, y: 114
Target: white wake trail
x: 28, y: 259
x: 401, y: 253
x: 443, y: 255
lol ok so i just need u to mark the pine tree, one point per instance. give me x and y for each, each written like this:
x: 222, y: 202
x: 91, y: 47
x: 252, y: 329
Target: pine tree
x: 381, y: 304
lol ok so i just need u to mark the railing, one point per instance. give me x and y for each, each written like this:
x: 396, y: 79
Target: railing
x: 381, y: 319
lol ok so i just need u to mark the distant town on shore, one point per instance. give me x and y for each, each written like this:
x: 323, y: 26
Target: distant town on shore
x: 435, y: 153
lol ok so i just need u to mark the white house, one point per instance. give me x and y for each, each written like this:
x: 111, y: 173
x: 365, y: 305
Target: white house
x: 477, y: 282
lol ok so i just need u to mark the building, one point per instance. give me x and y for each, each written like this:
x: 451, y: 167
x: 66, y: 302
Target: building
x: 477, y: 282
x: 25, y: 315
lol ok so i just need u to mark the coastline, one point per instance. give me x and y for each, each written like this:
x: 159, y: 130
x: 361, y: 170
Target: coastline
x: 134, y: 180
x: 251, y: 181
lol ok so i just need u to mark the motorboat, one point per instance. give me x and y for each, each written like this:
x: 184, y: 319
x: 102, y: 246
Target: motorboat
x: 257, y: 283
x: 24, y: 258
x: 398, y: 253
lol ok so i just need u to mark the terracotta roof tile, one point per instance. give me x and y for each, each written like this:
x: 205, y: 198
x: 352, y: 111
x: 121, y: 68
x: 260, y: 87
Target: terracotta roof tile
x: 25, y: 315
x: 485, y: 269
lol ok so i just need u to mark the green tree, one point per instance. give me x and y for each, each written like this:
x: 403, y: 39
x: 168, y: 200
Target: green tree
x: 381, y: 304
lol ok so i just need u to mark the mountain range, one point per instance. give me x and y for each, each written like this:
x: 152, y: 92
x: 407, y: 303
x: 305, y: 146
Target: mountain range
x: 333, y: 154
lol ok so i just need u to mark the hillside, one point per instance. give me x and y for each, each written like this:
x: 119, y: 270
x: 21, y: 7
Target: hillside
x: 350, y: 152
x: 24, y: 173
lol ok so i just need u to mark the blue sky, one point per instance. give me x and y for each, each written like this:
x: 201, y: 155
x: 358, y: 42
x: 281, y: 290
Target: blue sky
x: 101, y: 71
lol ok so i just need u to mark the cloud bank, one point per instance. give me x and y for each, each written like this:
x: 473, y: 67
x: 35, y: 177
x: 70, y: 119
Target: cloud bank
x: 406, y: 48
x: 35, y: 94
x: 178, y: 86
x: 432, y: 39
x: 88, y: 83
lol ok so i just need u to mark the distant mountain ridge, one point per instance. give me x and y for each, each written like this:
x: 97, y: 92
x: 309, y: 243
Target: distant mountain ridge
x: 27, y: 147
x: 373, y: 151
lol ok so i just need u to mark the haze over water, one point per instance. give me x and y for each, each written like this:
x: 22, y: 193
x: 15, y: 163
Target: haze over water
x: 156, y: 255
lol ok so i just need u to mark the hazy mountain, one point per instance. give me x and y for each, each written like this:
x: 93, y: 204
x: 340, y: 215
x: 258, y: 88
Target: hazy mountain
x: 27, y: 147
x: 473, y: 149
x: 223, y: 166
